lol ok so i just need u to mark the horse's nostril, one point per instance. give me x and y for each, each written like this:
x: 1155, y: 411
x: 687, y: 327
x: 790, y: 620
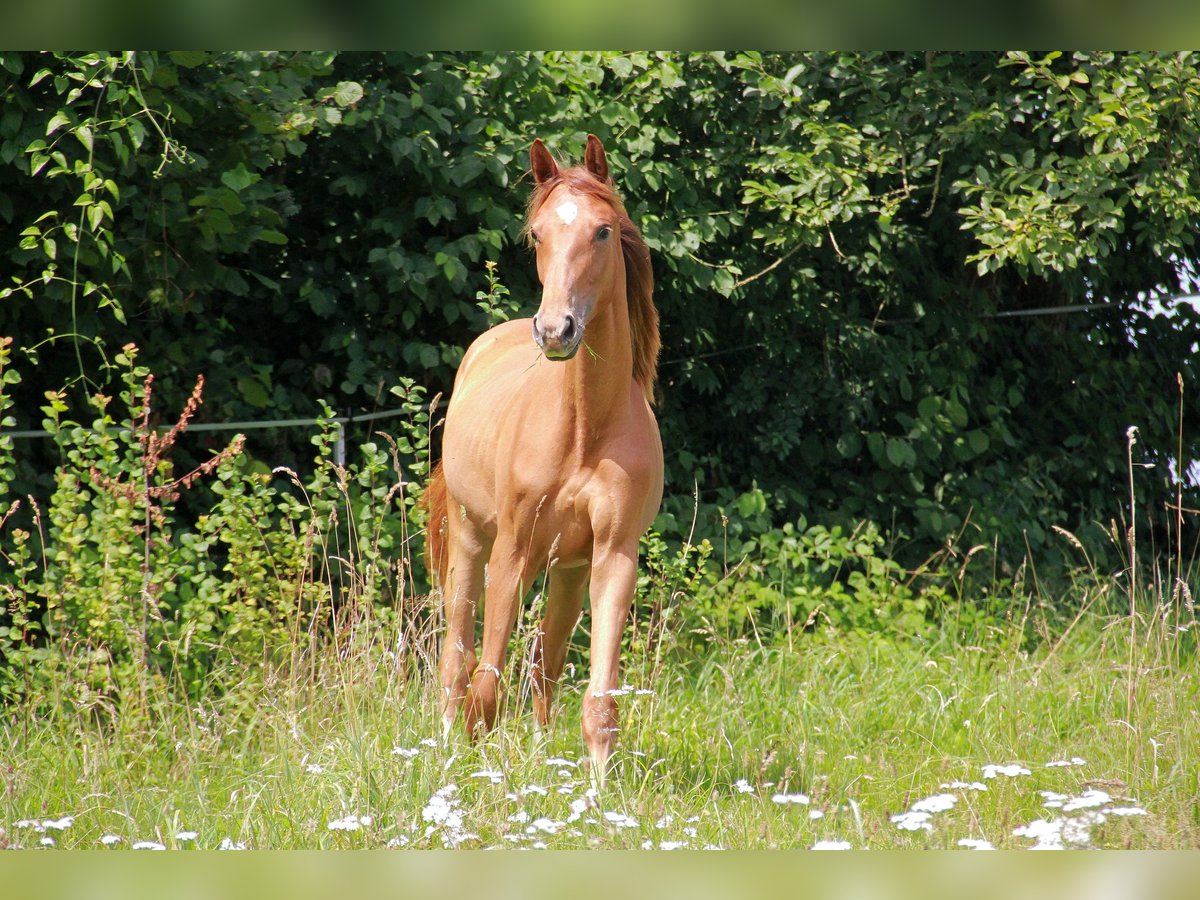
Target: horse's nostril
x: 537, y: 332
x: 568, y: 330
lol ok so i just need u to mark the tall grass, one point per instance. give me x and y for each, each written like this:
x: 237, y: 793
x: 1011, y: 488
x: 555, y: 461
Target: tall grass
x: 851, y: 731
x: 265, y: 677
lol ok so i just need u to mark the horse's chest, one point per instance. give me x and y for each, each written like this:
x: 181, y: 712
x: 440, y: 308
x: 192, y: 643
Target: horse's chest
x: 557, y: 509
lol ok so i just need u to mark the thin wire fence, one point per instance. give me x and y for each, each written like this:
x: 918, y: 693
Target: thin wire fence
x: 339, y: 453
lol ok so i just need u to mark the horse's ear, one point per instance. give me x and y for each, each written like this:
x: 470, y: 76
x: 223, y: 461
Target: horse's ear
x: 594, y: 158
x: 541, y: 162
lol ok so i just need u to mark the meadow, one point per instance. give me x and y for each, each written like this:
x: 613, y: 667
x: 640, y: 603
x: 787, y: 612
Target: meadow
x: 264, y: 677
x: 836, y: 741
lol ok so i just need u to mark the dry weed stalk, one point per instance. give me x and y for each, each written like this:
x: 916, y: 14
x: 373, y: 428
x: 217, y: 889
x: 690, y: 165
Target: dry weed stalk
x: 155, y: 449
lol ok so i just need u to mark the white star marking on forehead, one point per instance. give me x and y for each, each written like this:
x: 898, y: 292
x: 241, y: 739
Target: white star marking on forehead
x: 567, y: 211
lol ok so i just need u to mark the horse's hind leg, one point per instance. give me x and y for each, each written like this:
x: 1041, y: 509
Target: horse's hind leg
x: 564, y: 600
x: 460, y: 594
x: 507, y: 580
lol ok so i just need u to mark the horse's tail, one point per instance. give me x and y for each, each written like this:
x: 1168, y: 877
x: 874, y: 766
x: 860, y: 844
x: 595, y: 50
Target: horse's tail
x: 434, y: 502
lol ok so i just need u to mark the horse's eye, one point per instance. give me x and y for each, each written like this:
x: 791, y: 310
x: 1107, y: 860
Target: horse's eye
x: 603, y: 232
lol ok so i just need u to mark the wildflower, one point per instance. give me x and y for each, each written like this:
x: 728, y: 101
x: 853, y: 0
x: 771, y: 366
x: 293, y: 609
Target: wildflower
x: 148, y: 845
x: 406, y: 752
x: 228, y: 843
x: 1077, y: 829
x: 783, y: 799
x: 1053, y: 800
x: 614, y: 692
x: 964, y: 786
x: 350, y: 823
x: 397, y: 842
x: 444, y: 815
x: 579, y: 807
x: 544, y: 825
x: 1125, y: 811
x: 814, y: 814
x: 742, y: 786
x: 1088, y: 800
x: 559, y: 761
x: 534, y: 789
x: 1047, y: 834
x: 109, y: 840
x: 672, y: 845
x: 936, y: 803
x: 1010, y: 771
x: 621, y: 820
x: 59, y: 824
x: 491, y: 774
x: 442, y: 808
x: 1062, y: 763
x: 975, y: 844
x: 665, y: 821
x: 913, y: 821
x: 314, y: 769
x: 427, y: 742
x: 47, y: 841
x: 831, y: 845
x: 186, y: 836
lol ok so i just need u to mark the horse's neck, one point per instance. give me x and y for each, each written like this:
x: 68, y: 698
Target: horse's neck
x: 599, y: 378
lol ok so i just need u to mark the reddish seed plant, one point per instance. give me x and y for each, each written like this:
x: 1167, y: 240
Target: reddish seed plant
x: 155, y: 448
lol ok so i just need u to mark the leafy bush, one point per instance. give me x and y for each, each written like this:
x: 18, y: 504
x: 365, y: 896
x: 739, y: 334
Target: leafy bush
x: 853, y: 261
x: 114, y: 582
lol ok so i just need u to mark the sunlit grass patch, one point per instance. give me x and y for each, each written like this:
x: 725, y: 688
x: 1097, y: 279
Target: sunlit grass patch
x: 840, y: 741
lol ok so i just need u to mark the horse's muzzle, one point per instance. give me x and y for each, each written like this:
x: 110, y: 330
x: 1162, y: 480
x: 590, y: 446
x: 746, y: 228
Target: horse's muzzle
x: 558, y: 343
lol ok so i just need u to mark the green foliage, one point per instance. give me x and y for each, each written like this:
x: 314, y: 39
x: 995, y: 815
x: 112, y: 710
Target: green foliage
x: 749, y: 578
x: 116, y: 578
x: 849, y: 250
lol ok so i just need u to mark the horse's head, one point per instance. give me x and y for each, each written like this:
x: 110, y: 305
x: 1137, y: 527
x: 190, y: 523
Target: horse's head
x: 575, y: 229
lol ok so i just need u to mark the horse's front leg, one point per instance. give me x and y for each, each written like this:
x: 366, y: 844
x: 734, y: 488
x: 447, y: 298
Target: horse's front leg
x: 614, y: 579
x: 508, y: 577
x: 564, y: 600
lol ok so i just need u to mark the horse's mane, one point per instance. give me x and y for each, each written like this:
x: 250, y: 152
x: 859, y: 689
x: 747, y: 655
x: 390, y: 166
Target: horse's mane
x: 639, y: 277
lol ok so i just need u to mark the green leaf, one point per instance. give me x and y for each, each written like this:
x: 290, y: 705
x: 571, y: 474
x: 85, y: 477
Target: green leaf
x: 239, y: 177
x: 347, y: 93
x: 188, y: 59
x: 57, y: 121
x: 900, y: 453
x: 253, y: 392
x: 978, y: 441
x: 928, y: 407
x: 84, y: 133
x: 622, y: 66
x: 137, y: 133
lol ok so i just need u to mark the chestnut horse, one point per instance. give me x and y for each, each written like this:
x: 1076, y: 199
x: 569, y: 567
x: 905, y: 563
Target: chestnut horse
x: 551, y: 458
